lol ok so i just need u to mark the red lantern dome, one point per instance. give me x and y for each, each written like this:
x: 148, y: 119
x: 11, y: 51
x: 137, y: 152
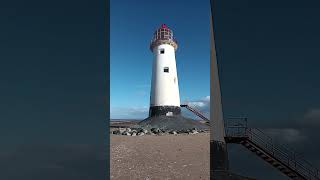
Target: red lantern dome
x: 163, y: 35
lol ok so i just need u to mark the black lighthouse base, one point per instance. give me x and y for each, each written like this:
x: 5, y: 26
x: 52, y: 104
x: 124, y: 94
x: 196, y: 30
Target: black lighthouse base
x: 174, y: 122
x: 164, y: 110
x: 170, y: 118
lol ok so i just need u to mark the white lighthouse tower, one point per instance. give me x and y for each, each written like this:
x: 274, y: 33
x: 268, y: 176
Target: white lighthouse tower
x: 164, y: 97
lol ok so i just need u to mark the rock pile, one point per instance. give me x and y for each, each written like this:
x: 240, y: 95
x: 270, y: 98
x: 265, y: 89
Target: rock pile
x: 153, y: 131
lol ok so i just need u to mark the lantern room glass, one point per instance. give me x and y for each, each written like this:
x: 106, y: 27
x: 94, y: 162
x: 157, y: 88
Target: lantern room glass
x: 163, y: 34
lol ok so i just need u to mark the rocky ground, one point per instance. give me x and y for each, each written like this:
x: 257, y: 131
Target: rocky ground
x: 159, y: 156
x: 176, y: 122
x: 153, y: 131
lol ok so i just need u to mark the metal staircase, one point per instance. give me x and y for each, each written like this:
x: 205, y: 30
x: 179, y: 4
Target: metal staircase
x: 280, y: 157
x: 196, y: 112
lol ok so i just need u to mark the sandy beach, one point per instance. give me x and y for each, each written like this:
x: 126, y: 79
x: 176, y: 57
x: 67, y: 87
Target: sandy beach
x: 166, y: 157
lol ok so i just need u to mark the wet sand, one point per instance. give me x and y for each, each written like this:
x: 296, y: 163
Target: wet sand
x: 165, y: 157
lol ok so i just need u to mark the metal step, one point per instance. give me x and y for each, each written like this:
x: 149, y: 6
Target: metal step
x: 269, y: 159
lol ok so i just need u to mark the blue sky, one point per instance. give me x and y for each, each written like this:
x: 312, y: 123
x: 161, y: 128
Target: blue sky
x: 132, y: 24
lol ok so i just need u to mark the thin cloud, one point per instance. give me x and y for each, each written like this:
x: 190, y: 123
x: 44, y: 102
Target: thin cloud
x: 202, y: 105
x: 203, y: 102
x: 286, y: 135
x: 129, y: 112
x: 312, y: 118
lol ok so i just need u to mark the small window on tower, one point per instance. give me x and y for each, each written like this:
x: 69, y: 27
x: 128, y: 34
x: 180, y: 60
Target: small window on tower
x: 161, y: 51
x: 166, y: 69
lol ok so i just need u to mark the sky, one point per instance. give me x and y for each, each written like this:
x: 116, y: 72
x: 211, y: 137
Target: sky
x: 131, y: 30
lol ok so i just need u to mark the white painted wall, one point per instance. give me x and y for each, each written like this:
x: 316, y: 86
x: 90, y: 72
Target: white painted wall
x: 164, y: 86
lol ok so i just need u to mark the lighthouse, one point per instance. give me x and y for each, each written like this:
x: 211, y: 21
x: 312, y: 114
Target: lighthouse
x: 164, y: 96
x: 164, y: 111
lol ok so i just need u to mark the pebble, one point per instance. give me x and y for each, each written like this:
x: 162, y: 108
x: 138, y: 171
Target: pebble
x: 141, y: 134
x: 122, y: 130
x: 173, y: 132
x: 155, y: 130
x: 117, y: 132
x: 127, y: 133
x: 194, y: 132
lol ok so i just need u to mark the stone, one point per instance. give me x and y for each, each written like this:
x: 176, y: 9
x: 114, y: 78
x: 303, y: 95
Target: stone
x: 193, y: 131
x: 126, y: 133
x: 122, y: 130
x: 155, y: 130
x: 145, y: 131
x: 141, y: 134
x: 133, y: 134
x: 115, y: 132
x: 173, y: 132
x: 128, y: 129
x: 183, y: 131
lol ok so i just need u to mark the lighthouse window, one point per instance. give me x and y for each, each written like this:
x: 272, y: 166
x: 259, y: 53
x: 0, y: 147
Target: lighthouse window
x: 161, y: 51
x: 166, y: 69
